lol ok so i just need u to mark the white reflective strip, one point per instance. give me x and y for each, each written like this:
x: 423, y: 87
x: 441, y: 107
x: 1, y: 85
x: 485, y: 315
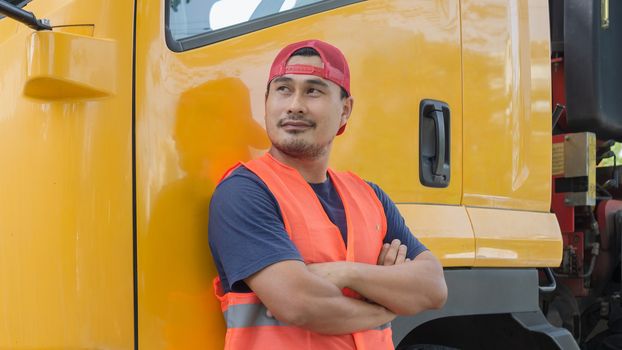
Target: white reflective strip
x: 249, y: 315
x: 255, y: 315
x: 383, y: 326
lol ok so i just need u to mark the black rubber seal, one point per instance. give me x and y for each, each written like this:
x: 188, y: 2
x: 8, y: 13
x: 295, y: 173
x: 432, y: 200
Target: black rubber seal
x: 215, y: 36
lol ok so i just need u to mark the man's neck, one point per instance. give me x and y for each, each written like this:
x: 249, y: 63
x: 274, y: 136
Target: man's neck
x: 312, y: 170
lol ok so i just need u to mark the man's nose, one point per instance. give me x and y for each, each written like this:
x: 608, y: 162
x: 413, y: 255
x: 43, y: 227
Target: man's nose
x: 297, y: 104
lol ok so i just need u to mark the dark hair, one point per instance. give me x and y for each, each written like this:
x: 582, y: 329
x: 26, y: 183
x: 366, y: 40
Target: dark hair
x: 309, y: 52
x: 306, y: 52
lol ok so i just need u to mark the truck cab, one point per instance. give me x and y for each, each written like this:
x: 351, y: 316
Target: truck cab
x: 118, y: 122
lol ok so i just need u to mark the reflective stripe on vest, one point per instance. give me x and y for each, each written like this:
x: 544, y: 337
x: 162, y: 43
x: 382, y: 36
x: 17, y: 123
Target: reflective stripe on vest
x: 255, y: 315
x: 318, y: 240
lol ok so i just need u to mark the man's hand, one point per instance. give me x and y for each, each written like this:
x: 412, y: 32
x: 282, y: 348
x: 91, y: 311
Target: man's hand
x: 392, y: 254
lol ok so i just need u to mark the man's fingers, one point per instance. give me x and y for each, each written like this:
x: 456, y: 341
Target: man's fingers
x: 389, y: 258
x: 269, y: 314
x: 383, y: 253
x: 393, y: 253
x: 401, y: 254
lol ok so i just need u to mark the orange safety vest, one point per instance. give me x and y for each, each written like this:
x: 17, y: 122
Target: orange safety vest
x: 318, y: 240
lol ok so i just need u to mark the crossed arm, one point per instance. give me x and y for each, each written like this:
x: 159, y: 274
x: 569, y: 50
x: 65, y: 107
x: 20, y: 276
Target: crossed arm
x: 405, y: 288
x: 296, y: 296
x: 310, y: 296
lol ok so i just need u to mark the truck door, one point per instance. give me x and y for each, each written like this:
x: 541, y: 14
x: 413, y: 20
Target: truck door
x: 201, y: 75
x: 66, y: 177
x: 507, y: 132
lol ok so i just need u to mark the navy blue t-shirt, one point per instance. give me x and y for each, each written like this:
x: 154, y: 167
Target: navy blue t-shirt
x: 247, y: 234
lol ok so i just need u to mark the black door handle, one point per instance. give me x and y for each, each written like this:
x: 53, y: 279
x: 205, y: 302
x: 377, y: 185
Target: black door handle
x: 434, y: 143
x: 440, y: 142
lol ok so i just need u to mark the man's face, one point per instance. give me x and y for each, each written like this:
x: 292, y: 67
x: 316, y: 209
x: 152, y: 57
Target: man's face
x: 304, y: 112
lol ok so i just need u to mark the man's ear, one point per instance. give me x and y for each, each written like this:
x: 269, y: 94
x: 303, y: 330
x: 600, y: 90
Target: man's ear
x: 346, y: 110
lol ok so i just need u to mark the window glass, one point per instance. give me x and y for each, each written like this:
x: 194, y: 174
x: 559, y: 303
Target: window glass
x: 192, y: 17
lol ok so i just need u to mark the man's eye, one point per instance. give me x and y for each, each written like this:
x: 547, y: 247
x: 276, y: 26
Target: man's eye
x: 314, y: 91
x: 282, y: 88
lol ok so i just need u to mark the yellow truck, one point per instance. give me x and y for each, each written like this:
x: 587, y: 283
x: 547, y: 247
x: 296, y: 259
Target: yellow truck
x: 117, y: 119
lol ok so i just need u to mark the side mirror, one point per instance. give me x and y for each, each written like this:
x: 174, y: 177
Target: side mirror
x: 23, y: 16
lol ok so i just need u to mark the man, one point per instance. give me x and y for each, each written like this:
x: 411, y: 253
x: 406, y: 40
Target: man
x: 309, y: 258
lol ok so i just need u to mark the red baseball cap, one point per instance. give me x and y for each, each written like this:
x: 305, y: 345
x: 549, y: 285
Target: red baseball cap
x: 335, y: 67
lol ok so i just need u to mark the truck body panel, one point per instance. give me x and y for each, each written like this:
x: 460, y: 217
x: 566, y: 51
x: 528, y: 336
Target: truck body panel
x: 507, y: 105
x: 119, y: 127
x: 66, y: 255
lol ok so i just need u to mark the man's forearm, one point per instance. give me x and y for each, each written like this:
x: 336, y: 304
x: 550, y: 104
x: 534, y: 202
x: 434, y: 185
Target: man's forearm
x: 406, y: 288
x: 344, y: 315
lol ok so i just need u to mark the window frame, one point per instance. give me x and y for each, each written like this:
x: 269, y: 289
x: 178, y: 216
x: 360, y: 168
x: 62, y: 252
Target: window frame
x: 215, y: 36
x: 20, y: 4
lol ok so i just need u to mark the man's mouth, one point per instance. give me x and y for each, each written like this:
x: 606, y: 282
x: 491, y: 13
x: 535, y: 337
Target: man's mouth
x: 295, y: 125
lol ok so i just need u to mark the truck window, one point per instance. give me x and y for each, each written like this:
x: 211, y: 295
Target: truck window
x: 195, y: 23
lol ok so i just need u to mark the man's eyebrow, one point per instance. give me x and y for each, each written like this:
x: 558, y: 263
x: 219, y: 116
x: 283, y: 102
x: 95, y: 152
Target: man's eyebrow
x: 283, y: 80
x: 316, y: 82
x: 308, y: 81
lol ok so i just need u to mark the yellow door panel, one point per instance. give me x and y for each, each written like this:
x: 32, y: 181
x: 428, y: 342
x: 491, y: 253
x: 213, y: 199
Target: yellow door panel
x: 515, y: 238
x: 507, y: 108
x: 200, y: 111
x: 410, y: 53
x: 66, y: 178
x: 444, y: 229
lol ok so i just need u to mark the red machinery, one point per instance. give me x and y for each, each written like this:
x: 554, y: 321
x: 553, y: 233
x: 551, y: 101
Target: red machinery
x: 585, y: 45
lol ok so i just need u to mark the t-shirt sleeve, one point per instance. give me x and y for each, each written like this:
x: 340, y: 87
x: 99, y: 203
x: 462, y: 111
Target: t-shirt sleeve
x: 246, y: 231
x: 396, y: 227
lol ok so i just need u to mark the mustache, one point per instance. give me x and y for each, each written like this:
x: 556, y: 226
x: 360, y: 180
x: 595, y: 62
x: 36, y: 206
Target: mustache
x: 295, y: 118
